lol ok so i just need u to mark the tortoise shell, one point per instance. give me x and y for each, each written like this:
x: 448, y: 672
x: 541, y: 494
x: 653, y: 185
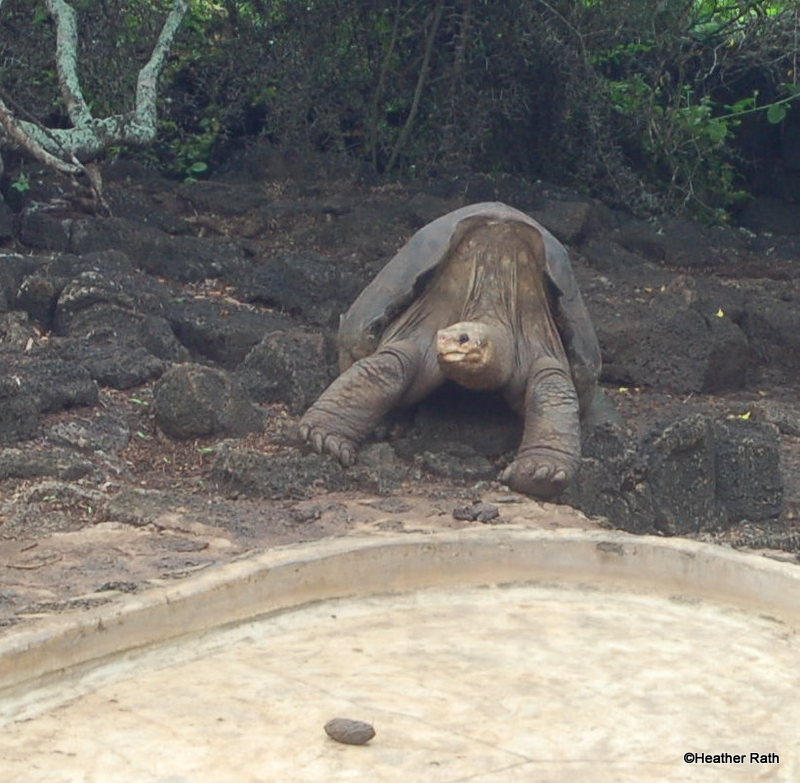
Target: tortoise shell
x: 405, y: 276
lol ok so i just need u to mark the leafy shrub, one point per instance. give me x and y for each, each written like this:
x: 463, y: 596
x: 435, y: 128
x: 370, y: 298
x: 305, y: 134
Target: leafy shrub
x: 639, y: 101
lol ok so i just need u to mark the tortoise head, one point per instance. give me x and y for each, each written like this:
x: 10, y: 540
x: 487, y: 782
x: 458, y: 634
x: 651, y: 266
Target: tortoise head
x: 475, y: 354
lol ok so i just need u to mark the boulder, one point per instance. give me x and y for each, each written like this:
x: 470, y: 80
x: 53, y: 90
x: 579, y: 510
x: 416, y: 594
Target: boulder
x: 53, y: 383
x: 680, y: 465
x: 679, y: 242
x: 301, y: 284
x: 16, y: 330
x: 114, y: 361
x: 42, y: 229
x: 183, y: 258
x: 103, y: 433
x: 192, y: 401
x: 19, y: 413
x: 56, y: 463
x: 37, y: 295
x: 608, y: 256
x: 291, y: 366
x: 220, y: 330
x: 772, y: 323
x: 13, y: 269
x: 749, y: 484
x: 283, y: 476
x: 659, y: 341
x: 573, y: 222
x: 221, y: 198
x: 6, y: 221
x: 611, y: 480
x: 688, y: 474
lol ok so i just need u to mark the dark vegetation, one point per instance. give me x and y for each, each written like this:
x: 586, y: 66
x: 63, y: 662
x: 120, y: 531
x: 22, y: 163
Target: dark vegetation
x: 677, y: 105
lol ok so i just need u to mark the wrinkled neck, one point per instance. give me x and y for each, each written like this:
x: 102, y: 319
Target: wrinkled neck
x: 494, y: 372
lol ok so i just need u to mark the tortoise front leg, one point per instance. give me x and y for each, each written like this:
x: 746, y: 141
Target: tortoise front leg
x: 351, y: 407
x: 551, y: 442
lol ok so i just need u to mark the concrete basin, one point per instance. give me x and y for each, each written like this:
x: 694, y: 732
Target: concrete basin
x: 489, y: 656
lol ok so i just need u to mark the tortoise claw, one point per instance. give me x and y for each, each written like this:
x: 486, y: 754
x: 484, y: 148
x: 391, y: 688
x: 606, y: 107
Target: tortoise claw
x: 338, y: 446
x: 542, y: 472
x: 539, y: 476
x: 346, y: 455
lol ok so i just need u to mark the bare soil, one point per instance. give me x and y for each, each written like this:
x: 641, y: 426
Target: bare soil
x: 157, y: 515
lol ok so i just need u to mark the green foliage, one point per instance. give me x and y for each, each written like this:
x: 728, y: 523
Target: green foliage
x: 640, y: 94
x: 190, y: 153
x: 642, y: 102
x: 198, y: 167
x: 619, y: 53
x: 684, y: 85
x: 684, y: 141
x: 22, y: 183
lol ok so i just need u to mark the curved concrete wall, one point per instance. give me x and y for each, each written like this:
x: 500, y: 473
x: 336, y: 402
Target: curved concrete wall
x: 290, y: 577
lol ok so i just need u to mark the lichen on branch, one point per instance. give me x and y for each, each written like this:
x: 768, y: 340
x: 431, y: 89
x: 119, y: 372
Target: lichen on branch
x: 66, y: 149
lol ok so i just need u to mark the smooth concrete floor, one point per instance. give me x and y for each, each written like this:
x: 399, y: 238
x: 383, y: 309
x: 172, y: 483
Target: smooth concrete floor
x: 534, y: 683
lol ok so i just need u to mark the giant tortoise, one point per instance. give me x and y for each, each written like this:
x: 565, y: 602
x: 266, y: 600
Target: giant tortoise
x: 483, y: 296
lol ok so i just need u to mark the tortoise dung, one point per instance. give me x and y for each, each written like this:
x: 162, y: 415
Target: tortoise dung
x: 349, y: 732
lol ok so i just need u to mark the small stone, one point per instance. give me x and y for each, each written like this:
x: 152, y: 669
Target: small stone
x: 350, y: 732
x: 303, y: 515
x: 477, y: 512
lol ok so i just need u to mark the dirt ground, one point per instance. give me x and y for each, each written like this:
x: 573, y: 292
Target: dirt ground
x: 68, y: 558
x: 157, y: 515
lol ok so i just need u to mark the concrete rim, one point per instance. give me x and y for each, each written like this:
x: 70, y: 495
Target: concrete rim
x: 290, y: 577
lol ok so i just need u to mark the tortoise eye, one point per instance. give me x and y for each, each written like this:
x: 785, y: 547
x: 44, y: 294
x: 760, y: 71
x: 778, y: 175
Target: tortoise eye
x: 463, y: 338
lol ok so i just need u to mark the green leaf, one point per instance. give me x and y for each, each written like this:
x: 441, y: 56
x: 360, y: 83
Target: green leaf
x: 21, y: 183
x: 717, y: 130
x: 776, y: 113
x: 745, y: 104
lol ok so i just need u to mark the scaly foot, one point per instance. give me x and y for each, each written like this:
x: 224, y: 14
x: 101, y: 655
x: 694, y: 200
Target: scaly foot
x: 323, y: 441
x: 543, y: 476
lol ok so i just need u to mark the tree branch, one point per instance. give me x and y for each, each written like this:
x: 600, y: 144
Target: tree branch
x: 377, y: 97
x: 460, y: 55
x: 423, y: 75
x: 147, y: 84
x: 63, y: 148
x: 67, y: 62
x: 17, y: 131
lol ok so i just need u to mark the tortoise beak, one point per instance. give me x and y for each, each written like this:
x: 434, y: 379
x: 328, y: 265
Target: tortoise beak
x: 454, y: 347
x: 448, y: 347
